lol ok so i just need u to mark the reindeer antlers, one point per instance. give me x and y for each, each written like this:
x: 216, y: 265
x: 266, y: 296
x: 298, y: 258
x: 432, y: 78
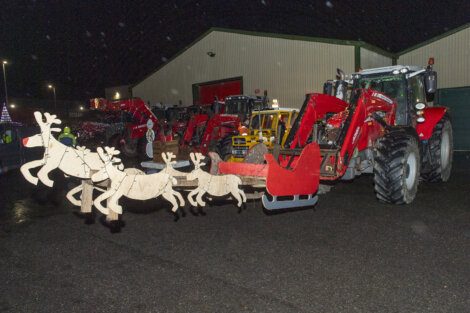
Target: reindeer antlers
x: 111, y: 151
x: 167, y: 156
x: 50, y: 119
x: 197, y: 158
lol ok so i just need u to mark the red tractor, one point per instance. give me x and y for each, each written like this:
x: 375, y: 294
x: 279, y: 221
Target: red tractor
x: 390, y: 128
x: 129, y: 134
x: 213, y: 130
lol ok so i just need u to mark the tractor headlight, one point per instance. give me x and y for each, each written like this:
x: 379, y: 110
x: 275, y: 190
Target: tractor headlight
x: 395, y: 72
x: 404, y: 70
x: 420, y: 106
x: 420, y: 119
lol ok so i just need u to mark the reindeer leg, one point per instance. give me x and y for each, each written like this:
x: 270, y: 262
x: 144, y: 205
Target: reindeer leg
x: 43, y: 174
x: 238, y: 197
x: 171, y: 198
x: 190, y: 197
x: 72, y: 192
x: 242, y: 193
x: 201, y: 202
x: 101, y: 197
x: 181, y: 200
x: 199, y: 198
x: 113, y: 203
x: 112, y: 220
x: 179, y: 196
x: 25, y: 170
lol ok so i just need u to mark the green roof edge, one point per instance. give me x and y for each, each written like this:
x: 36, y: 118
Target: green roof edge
x: 438, y: 37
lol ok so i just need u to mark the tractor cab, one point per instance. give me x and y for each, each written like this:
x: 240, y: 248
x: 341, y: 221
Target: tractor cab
x: 268, y: 127
x: 411, y: 87
x: 242, y: 106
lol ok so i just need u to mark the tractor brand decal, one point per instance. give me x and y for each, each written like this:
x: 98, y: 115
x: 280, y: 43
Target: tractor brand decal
x: 381, y: 96
x: 356, y: 133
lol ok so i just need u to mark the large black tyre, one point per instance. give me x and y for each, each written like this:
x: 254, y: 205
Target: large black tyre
x: 438, y: 162
x: 224, y: 148
x: 396, y: 167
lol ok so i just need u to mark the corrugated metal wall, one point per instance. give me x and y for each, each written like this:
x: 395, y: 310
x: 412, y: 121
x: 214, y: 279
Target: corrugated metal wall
x: 371, y: 59
x: 286, y: 68
x: 452, y: 59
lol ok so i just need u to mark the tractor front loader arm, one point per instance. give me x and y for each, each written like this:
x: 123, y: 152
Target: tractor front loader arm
x: 314, y: 108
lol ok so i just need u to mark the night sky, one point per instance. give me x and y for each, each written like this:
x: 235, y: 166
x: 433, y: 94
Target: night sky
x: 84, y: 46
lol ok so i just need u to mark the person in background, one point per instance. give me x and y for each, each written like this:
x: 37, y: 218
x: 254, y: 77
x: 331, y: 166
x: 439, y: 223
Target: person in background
x: 67, y: 138
x: 7, y: 138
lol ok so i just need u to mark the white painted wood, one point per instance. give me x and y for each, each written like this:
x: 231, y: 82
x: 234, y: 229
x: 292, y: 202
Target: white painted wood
x: 214, y: 185
x: 169, y: 169
x: 133, y: 186
x: 77, y: 162
x: 71, y: 194
x: 86, y: 202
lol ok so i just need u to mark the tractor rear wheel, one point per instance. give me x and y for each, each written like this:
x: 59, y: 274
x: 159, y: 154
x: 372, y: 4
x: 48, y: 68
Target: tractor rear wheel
x: 438, y: 164
x: 396, y: 167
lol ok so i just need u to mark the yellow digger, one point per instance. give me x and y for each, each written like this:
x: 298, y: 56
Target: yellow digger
x: 270, y: 127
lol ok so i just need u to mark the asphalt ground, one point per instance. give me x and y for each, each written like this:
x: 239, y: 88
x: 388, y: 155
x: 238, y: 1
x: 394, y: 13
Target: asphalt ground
x: 350, y: 253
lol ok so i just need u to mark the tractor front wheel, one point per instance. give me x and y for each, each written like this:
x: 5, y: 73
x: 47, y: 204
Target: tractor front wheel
x: 396, y: 167
x: 438, y: 164
x: 224, y: 148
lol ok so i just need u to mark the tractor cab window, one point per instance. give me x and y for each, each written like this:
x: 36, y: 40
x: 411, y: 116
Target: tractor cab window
x: 269, y: 121
x: 236, y: 107
x: 393, y: 86
x: 417, y: 90
x: 255, y: 121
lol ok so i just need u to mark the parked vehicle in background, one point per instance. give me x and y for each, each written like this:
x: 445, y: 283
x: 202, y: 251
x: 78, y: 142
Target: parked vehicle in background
x: 213, y: 129
x: 122, y: 124
x: 12, y: 152
x: 268, y: 127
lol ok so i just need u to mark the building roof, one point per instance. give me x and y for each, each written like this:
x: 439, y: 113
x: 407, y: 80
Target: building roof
x: 354, y: 43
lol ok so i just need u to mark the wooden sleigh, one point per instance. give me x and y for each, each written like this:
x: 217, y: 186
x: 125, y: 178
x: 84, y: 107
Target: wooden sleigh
x: 295, y: 178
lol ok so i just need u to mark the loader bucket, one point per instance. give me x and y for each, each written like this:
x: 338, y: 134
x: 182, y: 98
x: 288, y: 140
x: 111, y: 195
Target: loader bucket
x: 301, y: 182
x: 303, y: 179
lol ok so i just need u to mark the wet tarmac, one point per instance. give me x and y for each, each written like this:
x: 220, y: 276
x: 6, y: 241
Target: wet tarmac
x: 349, y: 254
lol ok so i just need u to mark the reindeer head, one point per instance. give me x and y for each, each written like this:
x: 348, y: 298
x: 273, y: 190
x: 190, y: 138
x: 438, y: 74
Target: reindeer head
x: 196, y: 158
x: 40, y: 140
x: 167, y: 158
x: 110, y: 162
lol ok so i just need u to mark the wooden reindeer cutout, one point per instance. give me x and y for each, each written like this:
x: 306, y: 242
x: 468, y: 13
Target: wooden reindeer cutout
x: 73, y: 162
x: 133, y: 186
x: 215, y: 185
x: 167, y: 158
x: 78, y: 162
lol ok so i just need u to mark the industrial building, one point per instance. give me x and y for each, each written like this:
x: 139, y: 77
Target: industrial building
x: 225, y: 62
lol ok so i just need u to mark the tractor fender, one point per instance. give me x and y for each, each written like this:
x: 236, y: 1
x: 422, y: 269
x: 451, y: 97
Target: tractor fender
x: 432, y: 116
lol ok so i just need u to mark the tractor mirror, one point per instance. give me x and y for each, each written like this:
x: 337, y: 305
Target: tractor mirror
x: 430, y: 80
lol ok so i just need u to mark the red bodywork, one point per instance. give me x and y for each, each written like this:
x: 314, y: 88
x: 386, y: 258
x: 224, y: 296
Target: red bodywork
x: 203, y: 130
x: 297, y: 174
x: 318, y: 105
x: 207, y: 92
x: 140, y: 113
x: 432, y: 115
